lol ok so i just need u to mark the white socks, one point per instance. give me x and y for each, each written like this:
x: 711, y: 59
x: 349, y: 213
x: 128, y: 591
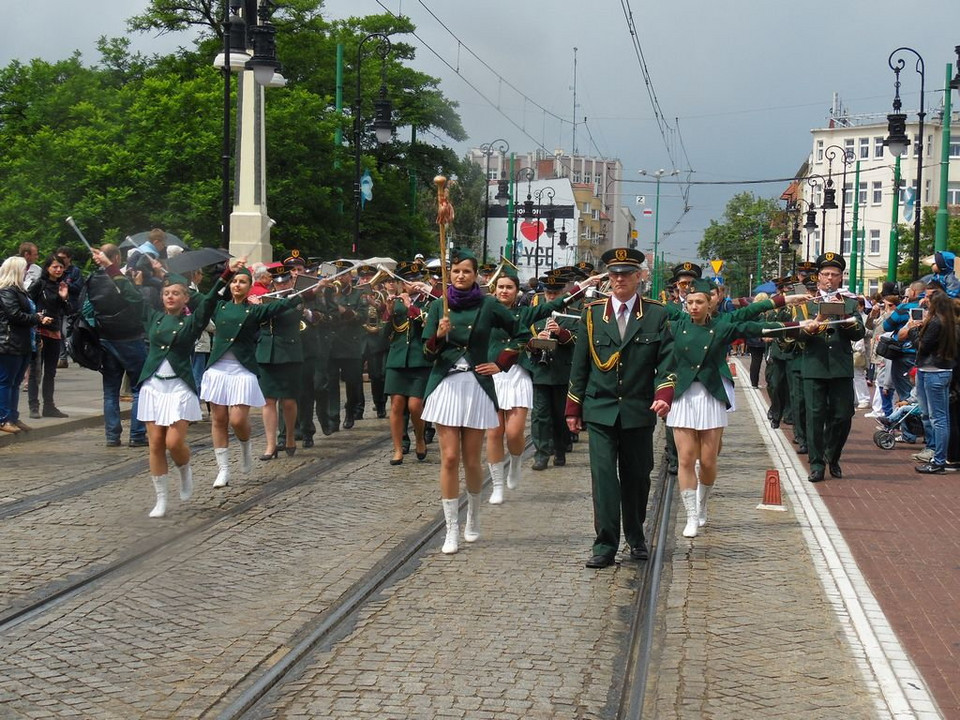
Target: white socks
x: 690, y: 505
x: 513, y: 474
x: 703, y: 493
x: 186, y: 480
x: 451, y: 513
x: 223, y: 463
x: 160, y: 486
x: 471, y: 533
x: 246, y: 455
x: 496, y: 477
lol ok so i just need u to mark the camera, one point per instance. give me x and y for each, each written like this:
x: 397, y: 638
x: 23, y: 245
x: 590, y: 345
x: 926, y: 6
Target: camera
x: 916, y: 313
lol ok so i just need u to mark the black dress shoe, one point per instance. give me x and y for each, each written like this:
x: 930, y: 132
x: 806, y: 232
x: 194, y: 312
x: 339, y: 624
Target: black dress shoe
x: 347, y: 422
x: 540, y: 464
x: 428, y: 434
x: 775, y: 424
x: 138, y: 443
x: 381, y: 413
x: 308, y: 441
x: 835, y: 470
x: 405, y: 444
x: 600, y: 561
x: 802, y: 450
x: 815, y: 475
x: 560, y: 460
x: 639, y: 553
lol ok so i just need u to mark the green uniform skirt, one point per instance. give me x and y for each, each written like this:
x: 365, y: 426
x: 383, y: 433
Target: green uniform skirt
x: 409, y: 382
x: 280, y: 380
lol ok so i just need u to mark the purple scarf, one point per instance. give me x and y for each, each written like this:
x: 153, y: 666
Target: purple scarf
x: 464, y: 299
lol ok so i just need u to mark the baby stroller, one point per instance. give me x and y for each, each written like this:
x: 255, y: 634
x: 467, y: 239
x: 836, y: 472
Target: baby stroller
x: 886, y: 436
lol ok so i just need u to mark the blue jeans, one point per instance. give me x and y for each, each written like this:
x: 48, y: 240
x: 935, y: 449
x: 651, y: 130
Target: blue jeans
x: 12, y: 370
x: 899, y: 369
x: 886, y: 401
x: 122, y: 356
x: 933, y: 394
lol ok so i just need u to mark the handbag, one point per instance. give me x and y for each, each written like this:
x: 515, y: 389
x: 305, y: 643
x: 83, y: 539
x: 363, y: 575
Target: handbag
x: 888, y: 347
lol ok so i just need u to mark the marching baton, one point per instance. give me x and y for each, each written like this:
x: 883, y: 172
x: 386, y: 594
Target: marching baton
x: 556, y: 314
x: 828, y: 323
x: 72, y: 224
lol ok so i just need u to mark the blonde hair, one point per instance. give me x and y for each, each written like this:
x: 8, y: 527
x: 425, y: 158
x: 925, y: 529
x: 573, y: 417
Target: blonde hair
x: 12, y: 272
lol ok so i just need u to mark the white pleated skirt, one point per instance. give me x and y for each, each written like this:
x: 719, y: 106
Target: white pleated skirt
x: 227, y: 382
x: 165, y: 402
x: 459, y: 401
x: 514, y: 388
x: 697, y: 409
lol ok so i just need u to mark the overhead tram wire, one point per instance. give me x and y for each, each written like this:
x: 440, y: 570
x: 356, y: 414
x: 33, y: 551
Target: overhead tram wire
x: 473, y: 87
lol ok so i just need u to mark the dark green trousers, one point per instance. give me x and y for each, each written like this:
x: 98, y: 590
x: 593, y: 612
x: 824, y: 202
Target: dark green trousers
x: 830, y: 409
x: 620, y: 464
x: 778, y: 388
x: 548, y: 427
x: 798, y: 404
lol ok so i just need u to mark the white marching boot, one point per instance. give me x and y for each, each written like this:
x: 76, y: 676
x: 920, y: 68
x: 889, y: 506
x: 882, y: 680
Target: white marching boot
x: 513, y: 474
x: 703, y: 494
x: 471, y: 533
x: 223, y: 463
x: 246, y: 456
x: 496, y: 477
x: 160, y: 485
x: 186, y: 481
x: 690, y: 505
x: 451, y: 513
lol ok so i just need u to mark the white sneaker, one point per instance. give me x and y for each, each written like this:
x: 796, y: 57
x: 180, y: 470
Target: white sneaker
x: 925, y: 455
x: 873, y: 414
x: 863, y: 404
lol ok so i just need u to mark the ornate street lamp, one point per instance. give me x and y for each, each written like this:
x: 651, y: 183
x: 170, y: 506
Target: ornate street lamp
x: 382, y: 121
x: 848, y: 158
x: 550, y: 230
x: 231, y: 60
x: 897, y: 142
x: 503, y: 194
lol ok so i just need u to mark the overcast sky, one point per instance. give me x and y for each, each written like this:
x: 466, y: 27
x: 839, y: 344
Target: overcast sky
x: 748, y: 79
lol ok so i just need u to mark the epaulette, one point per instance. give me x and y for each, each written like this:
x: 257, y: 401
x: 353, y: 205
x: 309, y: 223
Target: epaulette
x: 652, y: 301
x: 596, y: 302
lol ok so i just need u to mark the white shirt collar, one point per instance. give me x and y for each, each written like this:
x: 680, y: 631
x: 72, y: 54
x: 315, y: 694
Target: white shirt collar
x: 629, y: 303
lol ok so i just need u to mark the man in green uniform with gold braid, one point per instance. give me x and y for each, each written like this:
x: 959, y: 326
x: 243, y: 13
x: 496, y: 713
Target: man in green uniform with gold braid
x: 827, y: 369
x: 621, y: 380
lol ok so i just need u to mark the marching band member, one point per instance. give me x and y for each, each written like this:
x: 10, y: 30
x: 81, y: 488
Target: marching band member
x: 460, y: 397
x: 407, y: 366
x: 346, y: 351
x: 280, y: 357
x: 230, y: 379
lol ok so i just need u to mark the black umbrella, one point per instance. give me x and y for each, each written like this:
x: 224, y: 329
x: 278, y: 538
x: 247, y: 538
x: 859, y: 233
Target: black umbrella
x: 192, y: 259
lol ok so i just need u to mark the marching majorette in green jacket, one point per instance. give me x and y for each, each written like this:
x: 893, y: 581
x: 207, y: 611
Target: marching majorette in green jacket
x: 460, y: 398
x: 550, y: 372
x: 514, y: 387
x: 621, y: 380
x: 168, y: 393
x: 826, y: 368
x: 230, y: 382
x: 407, y: 368
x: 704, y: 385
x: 280, y: 356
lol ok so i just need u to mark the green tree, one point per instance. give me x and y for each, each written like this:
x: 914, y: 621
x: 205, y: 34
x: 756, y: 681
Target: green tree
x: 748, y: 222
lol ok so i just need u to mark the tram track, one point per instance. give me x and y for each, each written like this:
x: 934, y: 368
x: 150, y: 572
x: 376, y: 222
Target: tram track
x: 56, y: 592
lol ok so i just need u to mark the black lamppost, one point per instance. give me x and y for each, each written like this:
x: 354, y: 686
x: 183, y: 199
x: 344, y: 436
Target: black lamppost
x: 848, y: 158
x: 232, y: 59
x: 897, y: 143
x: 503, y: 192
x: 382, y: 121
x: 527, y: 174
x: 809, y: 225
x: 550, y: 230
x: 829, y: 199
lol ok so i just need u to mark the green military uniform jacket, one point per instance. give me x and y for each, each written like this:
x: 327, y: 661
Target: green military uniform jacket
x: 469, y: 337
x: 700, y: 351
x: 405, y: 335
x: 172, y: 337
x: 280, y: 340
x: 829, y: 354
x: 237, y: 328
x: 349, y: 335
x: 525, y: 316
x: 557, y: 370
x: 613, y: 379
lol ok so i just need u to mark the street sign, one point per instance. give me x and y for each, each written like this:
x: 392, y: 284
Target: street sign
x: 647, y: 212
x: 633, y: 234
x: 641, y: 199
x: 717, y: 266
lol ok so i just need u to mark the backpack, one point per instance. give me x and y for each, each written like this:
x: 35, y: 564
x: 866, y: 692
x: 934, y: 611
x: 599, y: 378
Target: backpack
x: 115, y: 317
x: 81, y: 338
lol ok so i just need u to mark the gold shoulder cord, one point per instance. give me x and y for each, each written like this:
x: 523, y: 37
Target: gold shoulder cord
x: 602, y: 366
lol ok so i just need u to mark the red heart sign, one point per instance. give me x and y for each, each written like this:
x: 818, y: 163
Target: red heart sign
x: 531, y: 230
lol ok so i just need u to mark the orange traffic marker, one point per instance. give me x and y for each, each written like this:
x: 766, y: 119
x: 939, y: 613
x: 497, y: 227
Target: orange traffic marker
x: 772, y: 496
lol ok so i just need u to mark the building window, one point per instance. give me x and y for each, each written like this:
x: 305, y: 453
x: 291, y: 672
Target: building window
x: 954, y: 148
x: 597, y: 184
x: 878, y: 148
x: 586, y: 208
x: 816, y: 243
x: 863, y: 194
x: 916, y: 141
x: 576, y: 176
x: 845, y: 249
x: 864, y: 148
x: 596, y: 215
x: 929, y: 145
x: 848, y: 148
x: 926, y: 192
x: 873, y: 287
x: 820, y: 150
x: 953, y: 193
x: 874, y: 242
x: 848, y: 194
x: 877, y: 192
